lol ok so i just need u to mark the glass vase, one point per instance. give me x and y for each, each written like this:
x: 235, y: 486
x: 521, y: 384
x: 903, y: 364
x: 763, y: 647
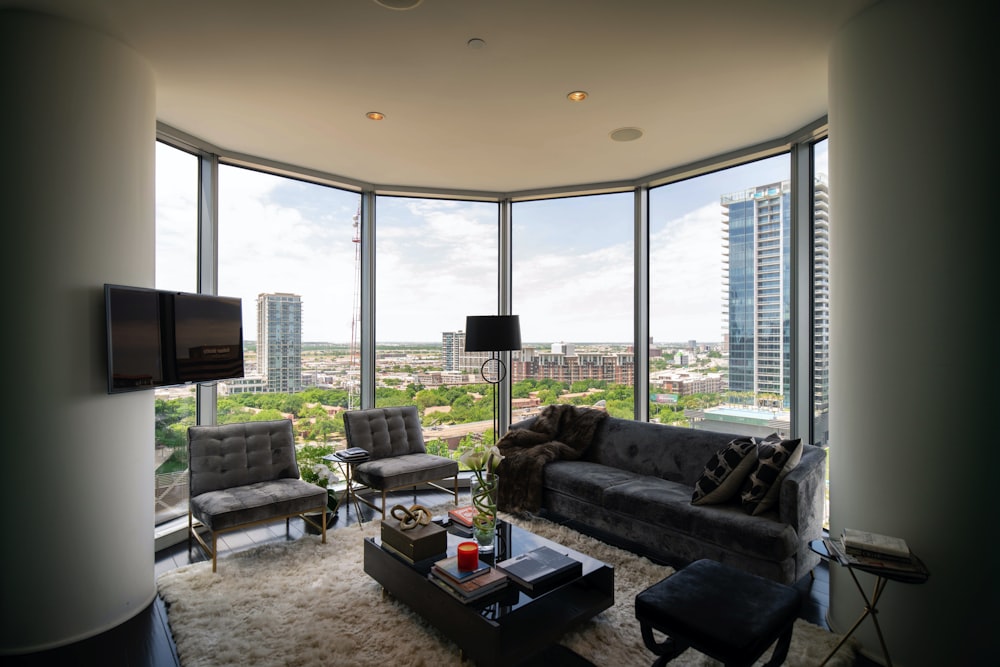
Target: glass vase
x: 484, y: 499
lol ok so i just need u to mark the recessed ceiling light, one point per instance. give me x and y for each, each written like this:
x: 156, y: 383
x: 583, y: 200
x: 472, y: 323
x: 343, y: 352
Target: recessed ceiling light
x: 626, y: 134
x: 375, y: 115
x: 398, y: 4
x: 476, y: 43
x: 577, y: 96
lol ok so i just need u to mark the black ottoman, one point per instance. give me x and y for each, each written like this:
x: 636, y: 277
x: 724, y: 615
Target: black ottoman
x: 725, y: 613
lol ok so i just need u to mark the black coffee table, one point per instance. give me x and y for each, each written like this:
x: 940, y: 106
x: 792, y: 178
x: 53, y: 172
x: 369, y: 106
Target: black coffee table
x: 509, y: 626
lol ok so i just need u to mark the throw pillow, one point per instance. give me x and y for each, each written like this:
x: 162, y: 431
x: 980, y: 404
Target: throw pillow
x: 725, y: 472
x: 775, y: 458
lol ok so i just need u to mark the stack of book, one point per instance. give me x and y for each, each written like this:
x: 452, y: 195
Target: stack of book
x: 466, y: 585
x: 867, y: 549
x: 461, y: 520
x: 352, y: 454
x: 541, y: 569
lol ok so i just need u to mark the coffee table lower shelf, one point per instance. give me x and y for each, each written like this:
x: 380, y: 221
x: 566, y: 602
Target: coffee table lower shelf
x: 504, y: 629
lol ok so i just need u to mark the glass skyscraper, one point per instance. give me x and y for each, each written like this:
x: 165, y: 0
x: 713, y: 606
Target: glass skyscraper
x: 757, y: 225
x: 279, y: 341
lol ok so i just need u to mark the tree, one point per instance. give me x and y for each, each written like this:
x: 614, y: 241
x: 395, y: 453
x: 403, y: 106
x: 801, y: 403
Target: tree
x: 438, y: 447
x: 387, y: 397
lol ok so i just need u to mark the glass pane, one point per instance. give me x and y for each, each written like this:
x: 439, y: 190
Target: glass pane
x: 720, y: 253
x: 573, y: 290
x: 176, y: 269
x: 821, y: 295
x: 821, y: 308
x: 290, y: 250
x: 436, y: 263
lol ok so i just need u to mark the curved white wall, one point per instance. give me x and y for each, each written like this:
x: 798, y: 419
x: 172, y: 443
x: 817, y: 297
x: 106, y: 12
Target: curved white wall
x: 78, y: 122
x: 913, y: 360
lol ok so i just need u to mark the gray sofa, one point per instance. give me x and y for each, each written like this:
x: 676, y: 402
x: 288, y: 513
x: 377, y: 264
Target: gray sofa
x: 633, y: 486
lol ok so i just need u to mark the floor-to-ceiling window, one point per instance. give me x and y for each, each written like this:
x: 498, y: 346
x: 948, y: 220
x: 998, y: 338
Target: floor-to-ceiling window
x: 821, y: 294
x: 290, y: 250
x: 573, y: 282
x: 176, y: 269
x: 719, y: 301
x: 435, y: 264
x: 719, y: 252
x: 819, y: 353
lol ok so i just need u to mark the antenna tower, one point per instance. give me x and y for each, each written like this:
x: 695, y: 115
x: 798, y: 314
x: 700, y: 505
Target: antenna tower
x: 354, y: 370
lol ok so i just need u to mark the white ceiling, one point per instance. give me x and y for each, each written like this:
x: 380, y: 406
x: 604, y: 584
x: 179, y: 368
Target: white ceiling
x: 290, y: 81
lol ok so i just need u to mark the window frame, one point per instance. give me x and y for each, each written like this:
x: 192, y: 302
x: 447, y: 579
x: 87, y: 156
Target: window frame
x: 798, y: 144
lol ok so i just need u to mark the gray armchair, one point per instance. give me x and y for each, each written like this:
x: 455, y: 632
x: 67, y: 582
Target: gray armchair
x: 398, y: 459
x: 245, y: 474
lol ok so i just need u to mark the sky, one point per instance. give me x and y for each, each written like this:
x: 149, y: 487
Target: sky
x: 436, y: 260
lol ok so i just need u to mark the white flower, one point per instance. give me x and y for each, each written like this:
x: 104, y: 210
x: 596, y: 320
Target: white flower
x: 495, y: 456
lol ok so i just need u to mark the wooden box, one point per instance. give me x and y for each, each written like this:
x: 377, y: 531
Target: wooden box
x: 417, y: 543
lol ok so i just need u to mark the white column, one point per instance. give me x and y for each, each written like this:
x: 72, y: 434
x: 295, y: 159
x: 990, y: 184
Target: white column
x: 78, y: 122
x: 913, y: 360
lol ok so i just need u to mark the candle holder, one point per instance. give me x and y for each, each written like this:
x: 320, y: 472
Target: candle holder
x: 468, y: 556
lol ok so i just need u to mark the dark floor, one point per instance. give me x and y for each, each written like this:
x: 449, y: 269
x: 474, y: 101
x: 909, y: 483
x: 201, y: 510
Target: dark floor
x: 145, y: 640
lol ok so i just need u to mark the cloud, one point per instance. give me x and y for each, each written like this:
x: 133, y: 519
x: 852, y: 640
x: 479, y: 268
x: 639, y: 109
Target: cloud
x: 436, y: 259
x: 686, y: 280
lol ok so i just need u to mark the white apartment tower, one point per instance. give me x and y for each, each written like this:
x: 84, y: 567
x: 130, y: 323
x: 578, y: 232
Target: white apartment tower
x: 456, y: 358
x: 279, y: 341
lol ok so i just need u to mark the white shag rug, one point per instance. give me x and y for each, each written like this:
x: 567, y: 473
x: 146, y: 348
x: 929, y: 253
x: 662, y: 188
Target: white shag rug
x: 304, y: 603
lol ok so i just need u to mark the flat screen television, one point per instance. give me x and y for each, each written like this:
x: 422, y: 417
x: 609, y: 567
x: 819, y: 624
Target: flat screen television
x: 158, y: 338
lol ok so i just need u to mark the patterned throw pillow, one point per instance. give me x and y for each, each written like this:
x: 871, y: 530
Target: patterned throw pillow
x: 725, y: 472
x: 775, y: 458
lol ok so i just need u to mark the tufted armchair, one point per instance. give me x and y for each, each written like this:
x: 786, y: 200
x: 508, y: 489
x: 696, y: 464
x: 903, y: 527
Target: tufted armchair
x: 245, y: 474
x: 398, y: 459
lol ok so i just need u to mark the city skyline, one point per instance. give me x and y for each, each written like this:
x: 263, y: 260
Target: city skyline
x: 573, y: 257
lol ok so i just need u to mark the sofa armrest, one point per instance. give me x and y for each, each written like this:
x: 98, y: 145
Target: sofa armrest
x: 801, y: 502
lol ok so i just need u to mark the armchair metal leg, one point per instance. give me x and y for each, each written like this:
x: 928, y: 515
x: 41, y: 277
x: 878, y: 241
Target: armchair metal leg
x: 215, y: 550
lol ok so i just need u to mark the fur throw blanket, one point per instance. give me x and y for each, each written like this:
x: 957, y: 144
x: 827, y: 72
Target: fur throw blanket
x: 560, y: 432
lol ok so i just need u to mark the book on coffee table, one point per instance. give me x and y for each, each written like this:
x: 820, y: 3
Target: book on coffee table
x: 463, y: 515
x: 540, y: 569
x: 473, y: 589
x: 448, y: 568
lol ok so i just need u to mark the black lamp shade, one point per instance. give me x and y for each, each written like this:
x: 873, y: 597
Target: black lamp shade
x: 492, y: 333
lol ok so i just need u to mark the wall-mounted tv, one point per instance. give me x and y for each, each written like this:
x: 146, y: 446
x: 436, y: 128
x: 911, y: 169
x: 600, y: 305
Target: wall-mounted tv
x: 158, y: 338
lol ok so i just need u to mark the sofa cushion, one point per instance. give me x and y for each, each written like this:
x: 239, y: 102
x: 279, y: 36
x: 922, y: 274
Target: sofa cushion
x: 394, y: 472
x: 226, y: 508
x: 221, y: 457
x: 385, y: 432
x: 658, y: 502
x: 583, y: 480
x: 775, y: 457
x: 671, y: 452
x: 725, y: 472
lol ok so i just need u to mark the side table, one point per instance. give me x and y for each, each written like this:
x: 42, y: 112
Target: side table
x: 918, y: 574
x: 350, y: 493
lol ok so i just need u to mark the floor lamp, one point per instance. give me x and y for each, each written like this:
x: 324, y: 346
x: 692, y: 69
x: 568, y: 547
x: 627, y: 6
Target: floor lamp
x: 493, y: 334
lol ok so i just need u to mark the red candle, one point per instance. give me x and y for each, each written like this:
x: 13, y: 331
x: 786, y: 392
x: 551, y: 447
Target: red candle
x: 468, y: 555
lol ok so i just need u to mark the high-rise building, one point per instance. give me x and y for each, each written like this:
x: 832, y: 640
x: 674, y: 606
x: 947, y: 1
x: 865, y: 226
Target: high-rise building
x: 757, y: 224
x: 821, y: 305
x: 452, y: 346
x: 612, y: 367
x: 279, y: 341
x: 456, y: 359
x: 757, y: 258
